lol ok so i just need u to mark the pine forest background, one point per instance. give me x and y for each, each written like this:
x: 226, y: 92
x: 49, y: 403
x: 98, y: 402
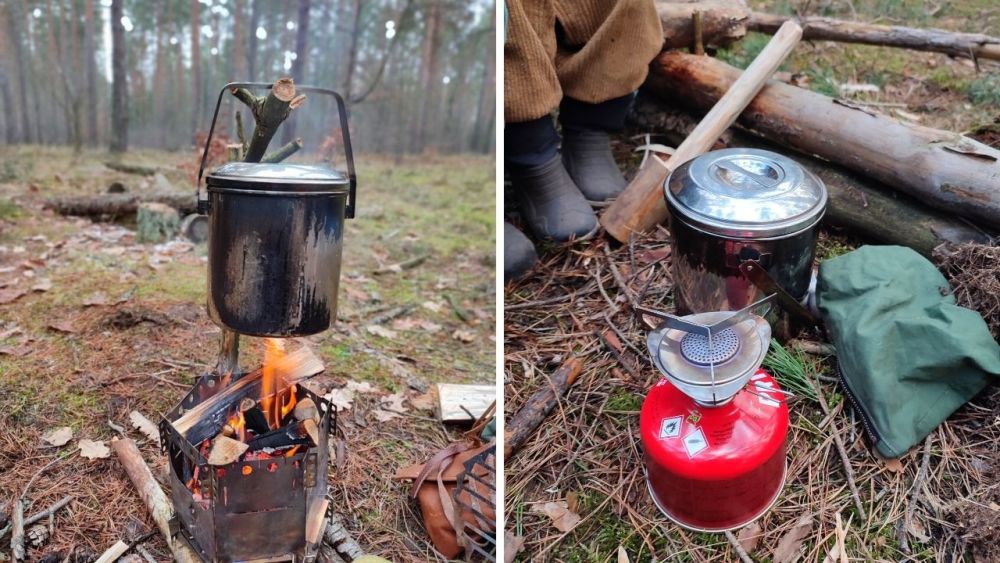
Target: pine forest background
x: 419, y: 75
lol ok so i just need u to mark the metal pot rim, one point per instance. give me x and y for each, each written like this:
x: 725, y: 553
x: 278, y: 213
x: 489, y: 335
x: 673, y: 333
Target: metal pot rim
x: 741, y: 231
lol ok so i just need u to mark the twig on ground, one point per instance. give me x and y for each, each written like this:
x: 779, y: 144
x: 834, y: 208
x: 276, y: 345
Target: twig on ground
x: 738, y: 548
x: 848, y: 471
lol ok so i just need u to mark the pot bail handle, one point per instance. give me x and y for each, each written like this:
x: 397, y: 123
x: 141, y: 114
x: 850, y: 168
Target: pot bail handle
x: 345, y: 134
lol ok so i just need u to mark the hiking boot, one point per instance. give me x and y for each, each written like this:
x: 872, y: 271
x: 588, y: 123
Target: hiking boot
x: 550, y: 203
x: 586, y: 154
x: 519, y: 254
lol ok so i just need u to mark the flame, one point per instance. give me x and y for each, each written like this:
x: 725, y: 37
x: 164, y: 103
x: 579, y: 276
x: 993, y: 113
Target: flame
x: 273, y: 353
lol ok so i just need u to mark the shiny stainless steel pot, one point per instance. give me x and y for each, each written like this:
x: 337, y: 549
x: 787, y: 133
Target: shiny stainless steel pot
x: 736, y: 207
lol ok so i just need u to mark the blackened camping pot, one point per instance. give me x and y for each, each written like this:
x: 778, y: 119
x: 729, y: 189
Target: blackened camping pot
x: 741, y: 207
x: 274, y: 247
x: 275, y: 237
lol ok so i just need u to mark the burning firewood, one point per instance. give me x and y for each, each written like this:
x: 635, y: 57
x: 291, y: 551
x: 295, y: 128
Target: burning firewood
x: 226, y: 450
x: 294, y: 434
x: 306, y: 410
x: 254, y: 417
x: 208, y: 418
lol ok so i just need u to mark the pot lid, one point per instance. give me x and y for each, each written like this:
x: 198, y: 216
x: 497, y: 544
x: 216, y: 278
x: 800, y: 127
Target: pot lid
x: 277, y: 176
x: 747, y: 193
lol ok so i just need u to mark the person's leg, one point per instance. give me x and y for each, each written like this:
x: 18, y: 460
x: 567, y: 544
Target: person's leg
x: 586, y: 148
x: 550, y: 203
x: 603, y: 53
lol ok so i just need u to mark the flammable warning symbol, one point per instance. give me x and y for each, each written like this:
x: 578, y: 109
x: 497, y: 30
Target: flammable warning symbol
x: 671, y: 427
x: 695, y: 442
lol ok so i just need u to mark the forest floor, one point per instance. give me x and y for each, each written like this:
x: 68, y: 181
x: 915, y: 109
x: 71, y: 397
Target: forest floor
x: 940, y: 502
x: 94, y: 325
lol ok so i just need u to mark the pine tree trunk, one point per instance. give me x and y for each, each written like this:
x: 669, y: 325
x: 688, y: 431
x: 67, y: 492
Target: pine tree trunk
x: 429, y: 78
x: 15, y: 21
x: 252, y: 33
x: 195, y: 64
x: 119, y: 99
x: 482, y: 137
x: 8, y: 106
x: 91, y: 71
x: 298, y: 65
x: 352, y: 53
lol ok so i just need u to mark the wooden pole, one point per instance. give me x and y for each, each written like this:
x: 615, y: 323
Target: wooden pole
x: 538, y: 406
x: 152, y: 495
x: 641, y: 206
x: 966, y: 45
x: 940, y: 168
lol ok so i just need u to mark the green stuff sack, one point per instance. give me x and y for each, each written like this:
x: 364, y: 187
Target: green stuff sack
x: 908, y: 355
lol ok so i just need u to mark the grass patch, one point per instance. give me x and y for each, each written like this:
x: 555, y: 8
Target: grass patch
x: 10, y: 210
x: 792, y: 370
x: 624, y: 401
x: 985, y: 90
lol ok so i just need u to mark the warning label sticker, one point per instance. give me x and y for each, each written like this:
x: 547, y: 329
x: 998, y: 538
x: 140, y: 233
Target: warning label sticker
x: 695, y: 442
x: 671, y: 427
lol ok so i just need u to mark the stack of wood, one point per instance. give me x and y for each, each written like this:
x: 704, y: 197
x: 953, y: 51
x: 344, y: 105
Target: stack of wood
x: 889, y: 181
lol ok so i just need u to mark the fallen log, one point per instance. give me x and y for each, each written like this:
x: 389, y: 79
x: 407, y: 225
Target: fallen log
x: 940, y: 168
x: 137, y: 169
x: 955, y: 44
x: 538, y: 406
x: 641, y: 206
x: 721, y: 22
x: 152, y: 495
x: 118, y: 205
x: 858, y: 204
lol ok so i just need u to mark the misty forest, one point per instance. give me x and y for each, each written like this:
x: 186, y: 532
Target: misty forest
x: 418, y: 75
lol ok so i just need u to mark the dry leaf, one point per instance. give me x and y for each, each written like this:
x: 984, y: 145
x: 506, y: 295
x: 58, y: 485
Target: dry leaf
x: 749, y: 537
x: 59, y: 436
x: 394, y: 402
x: 423, y: 402
x: 573, y: 501
x: 622, y: 555
x: 512, y: 545
x: 893, y: 465
x: 96, y: 298
x: 562, y: 517
x: 66, y: 326
x: 144, y: 425
x: 391, y: 407
x: 344, y: 396
x: 994, y: 507
x: 432, y: 306
x: 93, y: 450
x: 340, y: 398
x: 11, y: 295
x: 464, y: 335
x: 405, y: 323
x: 428, y: 325
x: 43, y: 284
x: 788, y: 548
x: 379, y: 330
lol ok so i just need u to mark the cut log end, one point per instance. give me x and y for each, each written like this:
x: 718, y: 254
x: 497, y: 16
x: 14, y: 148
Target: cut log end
x: 284, y: 89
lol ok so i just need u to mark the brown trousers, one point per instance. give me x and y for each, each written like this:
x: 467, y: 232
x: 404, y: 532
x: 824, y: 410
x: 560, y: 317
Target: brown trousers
x: 589, y: 50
